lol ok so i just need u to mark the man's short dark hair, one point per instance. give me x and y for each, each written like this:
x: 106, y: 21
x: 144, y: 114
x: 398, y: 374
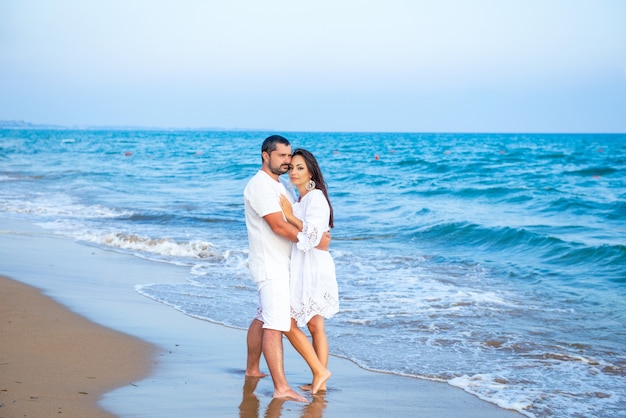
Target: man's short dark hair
x: 270, y: 142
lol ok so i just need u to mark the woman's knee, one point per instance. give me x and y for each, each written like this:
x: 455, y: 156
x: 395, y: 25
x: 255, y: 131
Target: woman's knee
x: 316, y: 324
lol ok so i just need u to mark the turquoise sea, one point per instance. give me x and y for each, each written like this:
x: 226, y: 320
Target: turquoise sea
x: 493, y: 262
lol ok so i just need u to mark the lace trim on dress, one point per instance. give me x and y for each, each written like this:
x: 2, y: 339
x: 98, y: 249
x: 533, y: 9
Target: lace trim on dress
x: 309, y: 237
x: 308, y: 309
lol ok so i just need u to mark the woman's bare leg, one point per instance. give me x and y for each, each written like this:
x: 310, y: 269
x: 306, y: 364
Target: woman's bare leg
x: 320, y: 341
x: 301, y: 343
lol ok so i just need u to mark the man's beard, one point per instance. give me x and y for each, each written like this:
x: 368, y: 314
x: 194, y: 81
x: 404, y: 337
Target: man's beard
x: 280, y: 170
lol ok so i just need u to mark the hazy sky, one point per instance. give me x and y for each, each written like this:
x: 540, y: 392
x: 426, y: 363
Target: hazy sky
x: 340, y: 65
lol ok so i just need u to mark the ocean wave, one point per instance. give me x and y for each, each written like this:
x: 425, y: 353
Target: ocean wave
x: 173, y: 218
x: 575, y: 206
x: 165, y: 247
x: 487, y: 238
x: 618, y: 211
x: 611, y: 258
x: 58, y: 206
x: 592, y: 171
x: 546, y: 249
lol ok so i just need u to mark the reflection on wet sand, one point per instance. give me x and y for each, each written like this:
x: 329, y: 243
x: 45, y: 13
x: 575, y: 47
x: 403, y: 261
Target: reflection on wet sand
x: 250, y: 405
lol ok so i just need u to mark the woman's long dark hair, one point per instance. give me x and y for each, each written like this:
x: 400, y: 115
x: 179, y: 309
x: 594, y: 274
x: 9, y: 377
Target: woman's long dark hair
x: 316, y: 176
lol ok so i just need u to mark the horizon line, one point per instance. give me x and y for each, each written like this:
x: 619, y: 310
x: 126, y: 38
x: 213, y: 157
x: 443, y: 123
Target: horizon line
x: 22, y: 124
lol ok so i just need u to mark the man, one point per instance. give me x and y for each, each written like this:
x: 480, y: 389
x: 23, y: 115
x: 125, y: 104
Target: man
x: 270, y: 237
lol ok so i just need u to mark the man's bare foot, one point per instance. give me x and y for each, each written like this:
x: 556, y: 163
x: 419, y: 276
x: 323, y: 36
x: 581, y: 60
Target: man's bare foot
x: 320, y: 381
x: 290, y: 394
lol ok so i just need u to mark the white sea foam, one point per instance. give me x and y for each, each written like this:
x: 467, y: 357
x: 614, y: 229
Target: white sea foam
x: 493, y: 389
x: 166, y: 247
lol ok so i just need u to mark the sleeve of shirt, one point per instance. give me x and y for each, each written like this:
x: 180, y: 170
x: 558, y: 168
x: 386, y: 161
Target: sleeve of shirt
x: 264, y: 199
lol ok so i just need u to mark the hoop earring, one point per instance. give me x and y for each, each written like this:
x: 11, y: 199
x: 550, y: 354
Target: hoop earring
x: 310, y: 185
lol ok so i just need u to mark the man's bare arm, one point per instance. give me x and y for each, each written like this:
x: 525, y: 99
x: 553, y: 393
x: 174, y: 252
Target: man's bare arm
x: 280, y: 226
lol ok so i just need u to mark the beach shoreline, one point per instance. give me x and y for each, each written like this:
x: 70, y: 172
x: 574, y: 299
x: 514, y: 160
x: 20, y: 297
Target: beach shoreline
x: 198, y: 366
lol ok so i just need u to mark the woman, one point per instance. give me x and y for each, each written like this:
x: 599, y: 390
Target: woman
x: 313, y: 284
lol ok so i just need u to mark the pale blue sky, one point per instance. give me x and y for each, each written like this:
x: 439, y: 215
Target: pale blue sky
x: 340, y: 65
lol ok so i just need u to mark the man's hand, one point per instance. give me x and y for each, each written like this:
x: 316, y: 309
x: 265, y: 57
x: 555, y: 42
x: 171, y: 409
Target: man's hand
x: 324, y: 242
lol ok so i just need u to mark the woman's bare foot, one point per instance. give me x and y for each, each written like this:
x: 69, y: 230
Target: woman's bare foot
x: 255, y: 373
x: 307, y: 387
x: 290, y: 394
x: 319, y: 382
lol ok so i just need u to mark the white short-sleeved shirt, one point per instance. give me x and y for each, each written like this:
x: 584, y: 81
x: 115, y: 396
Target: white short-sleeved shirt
x: 269, y: 254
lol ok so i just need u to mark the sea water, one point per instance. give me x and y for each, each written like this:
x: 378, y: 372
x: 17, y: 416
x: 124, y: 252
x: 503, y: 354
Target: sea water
x: 493, y: 262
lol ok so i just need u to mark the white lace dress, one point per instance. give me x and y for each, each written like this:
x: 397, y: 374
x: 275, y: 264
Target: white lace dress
x: 313, y: 282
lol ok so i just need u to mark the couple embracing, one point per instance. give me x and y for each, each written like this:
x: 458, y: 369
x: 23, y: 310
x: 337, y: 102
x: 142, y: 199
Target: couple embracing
x: 290, y: 263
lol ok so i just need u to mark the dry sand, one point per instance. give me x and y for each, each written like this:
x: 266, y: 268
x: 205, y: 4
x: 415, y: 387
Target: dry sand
x: 56, y: 363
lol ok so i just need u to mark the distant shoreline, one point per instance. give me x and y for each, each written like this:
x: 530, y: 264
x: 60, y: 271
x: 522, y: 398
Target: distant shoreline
x: 21, y: 124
